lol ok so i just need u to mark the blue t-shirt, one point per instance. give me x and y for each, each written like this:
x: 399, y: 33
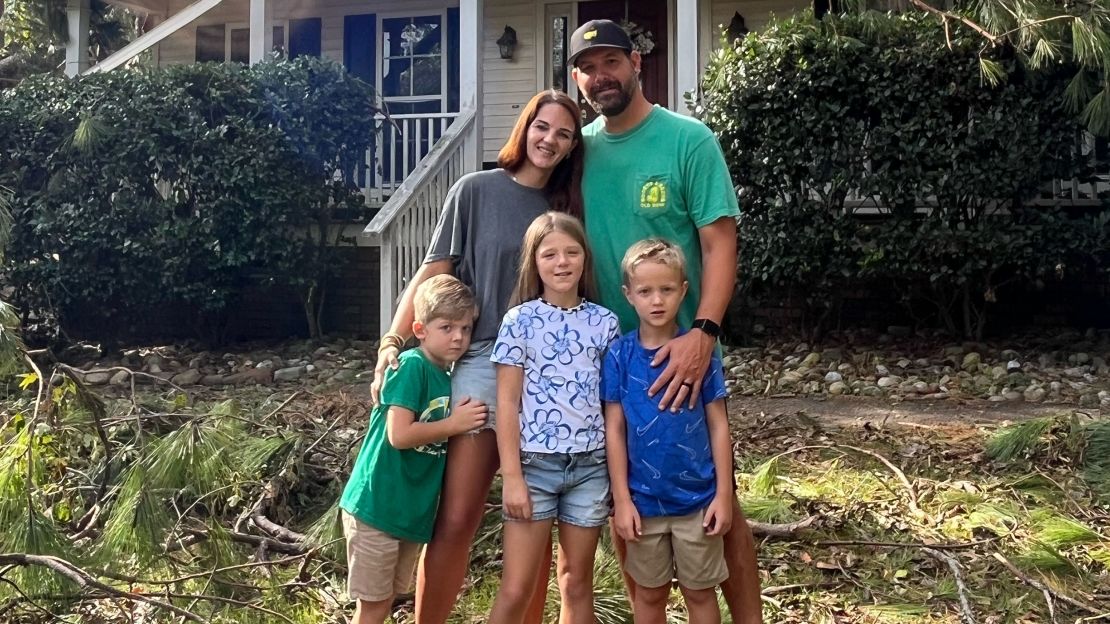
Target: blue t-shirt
x: 560, y: 351
x: 670, y: 464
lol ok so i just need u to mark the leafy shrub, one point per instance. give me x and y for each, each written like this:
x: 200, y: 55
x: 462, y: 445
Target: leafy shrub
x: 137, y: 190
x: 867, y: 149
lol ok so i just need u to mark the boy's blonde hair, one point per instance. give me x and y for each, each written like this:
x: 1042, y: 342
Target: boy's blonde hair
x: 442, y: 296
x: 657, y: 250
x: 528, y: 284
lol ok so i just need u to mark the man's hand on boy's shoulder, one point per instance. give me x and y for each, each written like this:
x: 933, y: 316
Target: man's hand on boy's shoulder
x: 687, y: 358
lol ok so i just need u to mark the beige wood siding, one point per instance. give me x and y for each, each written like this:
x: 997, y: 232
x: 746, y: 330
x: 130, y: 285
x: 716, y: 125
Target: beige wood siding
x: 507, y: 84
x: 180, y: 47
x: 756, y: 13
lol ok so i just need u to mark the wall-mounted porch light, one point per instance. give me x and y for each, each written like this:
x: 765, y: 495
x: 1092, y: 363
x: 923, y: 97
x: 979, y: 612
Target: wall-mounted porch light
x: 507, y: 43
x: 737, y: 28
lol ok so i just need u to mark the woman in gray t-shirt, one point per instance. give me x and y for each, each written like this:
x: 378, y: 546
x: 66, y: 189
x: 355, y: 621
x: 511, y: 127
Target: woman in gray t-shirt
x: 478, y: 239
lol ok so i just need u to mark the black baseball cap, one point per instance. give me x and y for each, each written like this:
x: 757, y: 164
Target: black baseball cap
x: 601, y: 33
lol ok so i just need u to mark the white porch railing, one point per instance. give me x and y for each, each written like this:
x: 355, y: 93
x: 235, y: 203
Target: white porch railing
x: 404, y: 225
x: 401, y: 145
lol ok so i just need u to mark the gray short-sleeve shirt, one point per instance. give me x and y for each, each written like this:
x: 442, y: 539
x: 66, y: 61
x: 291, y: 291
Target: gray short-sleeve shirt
x: 481, y: 231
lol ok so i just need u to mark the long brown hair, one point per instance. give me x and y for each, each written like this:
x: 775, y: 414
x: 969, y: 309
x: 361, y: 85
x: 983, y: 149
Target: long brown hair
x: 528, y: 284
x: 564, y: 187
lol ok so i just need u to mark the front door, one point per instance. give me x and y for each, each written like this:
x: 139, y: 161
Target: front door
x: 648, y: 17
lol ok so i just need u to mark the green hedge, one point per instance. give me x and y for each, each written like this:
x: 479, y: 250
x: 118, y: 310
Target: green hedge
x: 137, y: 190
x: 812, y: 114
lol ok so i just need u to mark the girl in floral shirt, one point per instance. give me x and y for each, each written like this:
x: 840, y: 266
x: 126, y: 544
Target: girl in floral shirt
x: 550, y: 429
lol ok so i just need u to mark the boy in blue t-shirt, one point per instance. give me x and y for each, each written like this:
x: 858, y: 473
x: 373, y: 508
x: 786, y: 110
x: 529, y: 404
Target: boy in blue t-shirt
x: 671, y: 471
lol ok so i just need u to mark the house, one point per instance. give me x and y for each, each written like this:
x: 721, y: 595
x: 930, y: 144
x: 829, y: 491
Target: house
x: 453, y: 73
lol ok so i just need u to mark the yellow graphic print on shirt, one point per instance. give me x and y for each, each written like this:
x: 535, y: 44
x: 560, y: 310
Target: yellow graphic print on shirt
x: 653, y: 195
x: 436, y: 410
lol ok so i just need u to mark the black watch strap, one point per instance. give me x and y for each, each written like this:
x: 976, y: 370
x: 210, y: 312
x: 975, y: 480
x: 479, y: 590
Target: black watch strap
x: 707, y: 326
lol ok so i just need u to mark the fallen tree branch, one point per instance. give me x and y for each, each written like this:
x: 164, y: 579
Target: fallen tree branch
x: 84, y: 579
x: 791, y: 529
x: 955, y: 546
x: 1042, y: 587
x: 967, y: 614
x: 782, y: 589
x: 901, y: 476
x: 195, y: 536
x: 959, y: 18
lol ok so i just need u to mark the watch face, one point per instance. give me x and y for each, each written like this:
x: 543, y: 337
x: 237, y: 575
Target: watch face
x: 708, y: 327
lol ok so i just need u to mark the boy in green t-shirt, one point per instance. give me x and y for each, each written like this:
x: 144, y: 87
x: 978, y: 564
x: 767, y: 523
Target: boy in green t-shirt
x: 389, y: 503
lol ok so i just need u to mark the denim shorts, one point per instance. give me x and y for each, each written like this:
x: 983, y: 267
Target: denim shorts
x: 572, y: 487
x: 475, y: 376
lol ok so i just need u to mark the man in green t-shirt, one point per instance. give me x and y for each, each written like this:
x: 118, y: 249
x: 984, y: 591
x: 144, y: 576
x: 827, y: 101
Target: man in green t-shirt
x: 389, y: 503
x: 650, y: 172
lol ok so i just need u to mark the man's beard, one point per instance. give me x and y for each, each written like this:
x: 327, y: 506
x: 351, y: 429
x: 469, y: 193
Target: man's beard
x: 616, y: 104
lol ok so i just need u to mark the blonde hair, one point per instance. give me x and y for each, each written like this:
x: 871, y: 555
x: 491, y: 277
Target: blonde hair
x: 442, y: 296
x: 658, y: 250
x: 528, y: 284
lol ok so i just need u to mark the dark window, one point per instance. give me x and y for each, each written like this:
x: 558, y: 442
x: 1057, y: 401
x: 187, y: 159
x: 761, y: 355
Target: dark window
x: 304, y: 37
x: 210, y: 43
x: 240, y: 45
x: 358, y: 45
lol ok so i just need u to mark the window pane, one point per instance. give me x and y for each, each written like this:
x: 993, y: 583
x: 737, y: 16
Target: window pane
x: 411, y: 36
x: 279, y: 39
x: 210, y: 43
x: 559, y: 53
x: 426, y: 79
x: 397, y: 77
x: 240, y: 45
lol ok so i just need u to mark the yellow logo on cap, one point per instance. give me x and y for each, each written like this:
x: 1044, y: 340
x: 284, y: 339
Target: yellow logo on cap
x: 589, y: 35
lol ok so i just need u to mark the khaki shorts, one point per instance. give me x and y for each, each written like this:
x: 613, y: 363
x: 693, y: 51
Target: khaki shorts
x: 379, y: 565
x: 676, y: 547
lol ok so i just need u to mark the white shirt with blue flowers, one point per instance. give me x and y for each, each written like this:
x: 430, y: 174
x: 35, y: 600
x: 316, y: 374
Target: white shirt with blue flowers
x: 561, y: 351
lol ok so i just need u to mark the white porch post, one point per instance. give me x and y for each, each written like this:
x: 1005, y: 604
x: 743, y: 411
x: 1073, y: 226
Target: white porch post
x: 77, y: 44
x: 262, y: 35
x: 686, y: 68
x: 471, y: 48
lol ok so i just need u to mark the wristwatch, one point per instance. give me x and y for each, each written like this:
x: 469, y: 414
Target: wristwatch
x: 707, y: 326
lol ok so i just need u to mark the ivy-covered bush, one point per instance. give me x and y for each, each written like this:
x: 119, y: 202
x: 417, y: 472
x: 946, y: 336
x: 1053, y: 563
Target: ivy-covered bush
x: 869, y: 149
x: 137, y: 190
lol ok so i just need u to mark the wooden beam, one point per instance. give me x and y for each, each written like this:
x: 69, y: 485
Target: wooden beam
x: 172, y: 24
x: 471, y: 49
x: 77, y: 43
x: 262, y: 33
x: 687, y: 16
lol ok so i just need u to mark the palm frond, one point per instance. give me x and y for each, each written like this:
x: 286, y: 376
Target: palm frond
x: 1080, y: 90
x: 1101, y: 555
x: 1011, y: 442
x: 90, y: 134
x: 765, y: 477
x: 138, y: 523
x: 991, y: 73
x: 1096, y: 458
x: 1096, y: 115
x: 327, y: 529
x: 256, y: 452
x: 1041, y: 556
x: 1061, y: 532
x: 36, y: 534
x: 192, y: 457
x: 767, y: 509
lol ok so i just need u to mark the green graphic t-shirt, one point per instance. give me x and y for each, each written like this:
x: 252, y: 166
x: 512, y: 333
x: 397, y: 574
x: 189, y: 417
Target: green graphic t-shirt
x: 666, y: 177
x: 397, y: 491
